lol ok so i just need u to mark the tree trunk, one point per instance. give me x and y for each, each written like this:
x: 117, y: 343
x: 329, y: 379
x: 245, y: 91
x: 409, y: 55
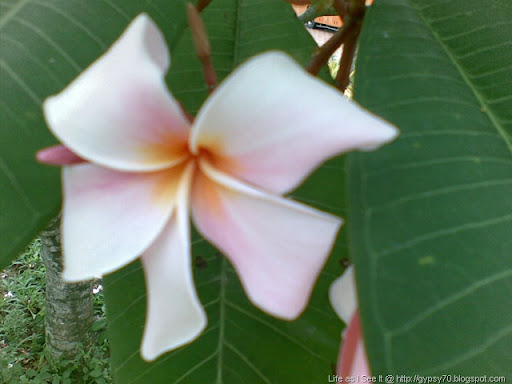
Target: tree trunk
x: 69, y: 307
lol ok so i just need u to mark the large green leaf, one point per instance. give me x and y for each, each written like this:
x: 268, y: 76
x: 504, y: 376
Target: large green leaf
x: 43, y: 46
x: 241, y: 344
x: 431, y: 215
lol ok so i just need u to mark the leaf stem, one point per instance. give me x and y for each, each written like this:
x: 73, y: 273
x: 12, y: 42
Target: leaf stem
x: 323, y: 54
x: 309, y: 14
x: 352, y: 15
x: 357, y: 7
x: 202, y: 45
x: 341, y: 8
x: 187, y: 115
x: 347, y: 57
x: 202, y: 4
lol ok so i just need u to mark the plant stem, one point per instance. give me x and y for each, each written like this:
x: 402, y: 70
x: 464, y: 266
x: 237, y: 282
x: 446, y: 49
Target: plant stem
x: 309, y: 14
x: 202, y: 46
x: 357, y: 8
x: 352, y: 16
x: 312, y: 12
x: 325, y: 51
x: 341, y: 8
x: 347, y: 57
x: 187, y: 115
x: 202, y: 4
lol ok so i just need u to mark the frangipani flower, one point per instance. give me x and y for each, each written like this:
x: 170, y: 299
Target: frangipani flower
x: 352, y: 359
x: 147, y: 169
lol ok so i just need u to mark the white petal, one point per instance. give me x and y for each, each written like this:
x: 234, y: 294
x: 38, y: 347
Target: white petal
x: 110, y: 217
x: 118, y: 113
x: 277, y: 246
x: 342, y: 295
x: 175, y: 316
x: 271, y: 123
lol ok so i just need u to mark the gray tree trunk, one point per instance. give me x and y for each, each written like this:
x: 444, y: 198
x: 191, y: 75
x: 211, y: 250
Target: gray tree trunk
x: 69, y: 307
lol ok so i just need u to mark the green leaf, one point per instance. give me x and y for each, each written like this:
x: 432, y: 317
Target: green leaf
x: 241, y: 344
x: 44, y: 45
x: 431, y: 215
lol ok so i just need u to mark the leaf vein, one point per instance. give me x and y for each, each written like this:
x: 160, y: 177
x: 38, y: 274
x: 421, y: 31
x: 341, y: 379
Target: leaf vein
x: 16, y: 185
x: 222, y: 319
x: 440, y: 305
x: 38, y: 62
x: 441, y: 191
x: 421, y: 100
x: 194, y: 368
x: 439, y: 161
x: 444, y: 232
x: 493, y: 118
x: 54, y: 45
x: 18, y: 80
x: 118, y: 10
x: 473, y: 352
x: 248, y: 362
x: 273, y: 328
x: 11, y: 13
x: 74, y: 21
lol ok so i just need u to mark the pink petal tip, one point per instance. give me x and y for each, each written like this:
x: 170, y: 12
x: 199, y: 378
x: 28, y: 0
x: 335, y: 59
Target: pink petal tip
x: 352, y: 360
x: 58, y: 155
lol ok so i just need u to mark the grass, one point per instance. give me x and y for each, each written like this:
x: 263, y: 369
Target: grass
x: 22, y: 345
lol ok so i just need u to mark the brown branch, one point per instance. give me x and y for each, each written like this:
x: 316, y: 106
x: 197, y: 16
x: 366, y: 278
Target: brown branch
x: 325, y: 51
x: 341, y: 8
x: 347, y: 57
x: 202, y: 45
x: 202, y: 4
x: 357, y: 8
x: 186, y: 114
x: 299, y: 2
x: 311, y: 13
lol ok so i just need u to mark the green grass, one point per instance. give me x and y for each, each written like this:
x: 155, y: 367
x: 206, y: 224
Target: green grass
x: 22, y: 344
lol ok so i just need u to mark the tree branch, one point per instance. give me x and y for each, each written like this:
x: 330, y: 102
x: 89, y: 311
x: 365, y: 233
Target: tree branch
x: 202, y: 46
x: 347, y: 57
x: 202, y: 4
x: 325, y: 51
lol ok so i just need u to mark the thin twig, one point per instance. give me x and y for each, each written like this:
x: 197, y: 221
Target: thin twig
x: 341, y: 8
x: 357, y: 8
x: 317, y: 10
x: 347, y: 57
x: 325, y: 51
x: 187, y: 115
x: 202, y: 46
x: 309, y: 14
x: 202, y: 4
x: 299, y: 2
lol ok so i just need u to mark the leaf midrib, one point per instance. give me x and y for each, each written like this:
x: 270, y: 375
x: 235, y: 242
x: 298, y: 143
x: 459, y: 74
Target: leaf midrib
x: 222, y: 312
x: 222, y: 293
x: 481, y: 100
x: 236, y: 45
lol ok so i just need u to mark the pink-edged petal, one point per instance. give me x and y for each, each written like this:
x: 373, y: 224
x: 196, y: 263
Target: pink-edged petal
x: 109, y: 218
x: 118, y: 113
x: 271, y: 123
x: 277, y: 246
x: 342, y: 295
x: 58, y: 155
x: 174, y: 316
x: 352, y: 359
